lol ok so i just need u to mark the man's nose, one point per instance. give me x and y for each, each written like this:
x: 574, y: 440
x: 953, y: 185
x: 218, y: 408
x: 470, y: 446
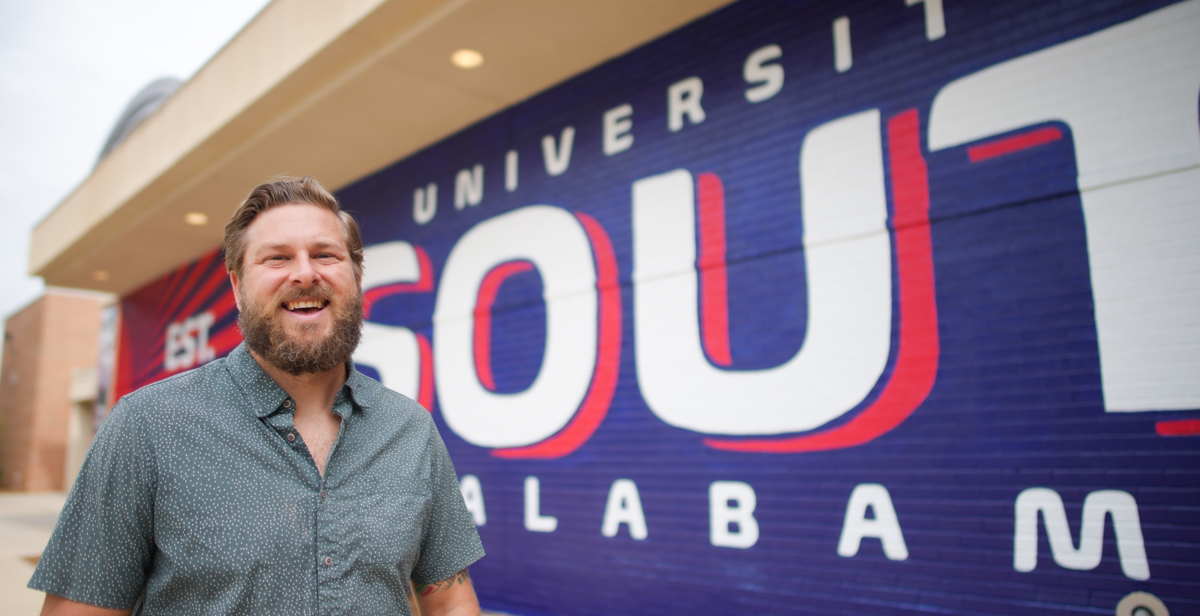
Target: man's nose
x: 304, y: 270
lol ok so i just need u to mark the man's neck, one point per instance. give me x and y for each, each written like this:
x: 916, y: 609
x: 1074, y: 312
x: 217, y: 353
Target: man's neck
x: 312, y: 390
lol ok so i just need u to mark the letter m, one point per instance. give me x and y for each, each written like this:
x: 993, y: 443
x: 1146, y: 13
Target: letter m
x: 1126, y: 525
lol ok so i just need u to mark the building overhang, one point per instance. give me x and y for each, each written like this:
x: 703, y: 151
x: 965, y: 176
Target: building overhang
x: 336, y: 89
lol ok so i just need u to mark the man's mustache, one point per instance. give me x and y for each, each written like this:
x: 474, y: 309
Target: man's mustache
x: 291, y: 294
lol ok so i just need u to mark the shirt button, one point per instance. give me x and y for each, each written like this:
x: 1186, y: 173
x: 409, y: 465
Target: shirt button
x: 328, y: 561
x: 291, y: 437
x: 287, y: 404
x: 322, y: 493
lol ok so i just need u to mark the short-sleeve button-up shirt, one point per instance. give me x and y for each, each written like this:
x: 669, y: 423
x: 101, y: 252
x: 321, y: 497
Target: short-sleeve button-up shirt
x: 199, y: 496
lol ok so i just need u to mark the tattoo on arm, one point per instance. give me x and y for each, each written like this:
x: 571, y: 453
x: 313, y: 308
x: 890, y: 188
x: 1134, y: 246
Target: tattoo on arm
x: 462, y: 577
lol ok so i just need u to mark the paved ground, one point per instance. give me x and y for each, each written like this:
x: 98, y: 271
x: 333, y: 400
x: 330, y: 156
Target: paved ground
x: 26, y: 521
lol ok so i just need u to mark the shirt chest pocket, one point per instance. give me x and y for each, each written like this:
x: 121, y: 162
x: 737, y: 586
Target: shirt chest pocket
x: 392, y: 527
x: 206, y: 537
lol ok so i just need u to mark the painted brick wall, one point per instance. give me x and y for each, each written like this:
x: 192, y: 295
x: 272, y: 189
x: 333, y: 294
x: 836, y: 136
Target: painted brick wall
x: 813, y: 307
x: 43, y: 343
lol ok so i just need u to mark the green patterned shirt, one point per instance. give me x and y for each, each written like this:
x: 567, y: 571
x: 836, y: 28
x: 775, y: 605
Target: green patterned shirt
x: 198, y: 496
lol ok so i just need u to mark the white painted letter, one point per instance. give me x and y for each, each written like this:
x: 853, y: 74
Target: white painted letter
x: 510, y: 171
x: 180, y: 349
x: 558, y: 159
x: 1126, y: 525
x: 1128, y: 94
x: 472, y: 493
x: 391, y: 350
x: 203, y: 324
x: 624, y: 507
x: 187, y: 343
x: 468, y: 187
x: 843, y: 56
x: 683, y: 97
x: 885, y: 526
x: 770, y: 76
x: 425, y: 203
x: 848, y: 258
x: 534, y: 520
x: 617, y: 124
x: 555, y: 242
x: 731, y: 502
x: 935, y: 21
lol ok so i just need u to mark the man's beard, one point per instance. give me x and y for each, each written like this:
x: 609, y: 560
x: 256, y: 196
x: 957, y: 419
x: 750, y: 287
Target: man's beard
x: 265, y: 334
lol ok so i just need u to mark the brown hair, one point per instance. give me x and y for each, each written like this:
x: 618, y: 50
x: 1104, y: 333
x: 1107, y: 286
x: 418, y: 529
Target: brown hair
x: 287, y: 191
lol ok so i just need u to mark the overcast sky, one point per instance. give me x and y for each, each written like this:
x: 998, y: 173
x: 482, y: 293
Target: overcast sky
x: 67, y: 70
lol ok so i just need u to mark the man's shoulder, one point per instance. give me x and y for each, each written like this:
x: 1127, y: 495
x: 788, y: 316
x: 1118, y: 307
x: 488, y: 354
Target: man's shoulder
x: 181, y: 387
x: 374, y: 394
x: 389, y: 403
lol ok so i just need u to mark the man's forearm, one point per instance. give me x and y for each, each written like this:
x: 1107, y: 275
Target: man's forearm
x: 453, y: 596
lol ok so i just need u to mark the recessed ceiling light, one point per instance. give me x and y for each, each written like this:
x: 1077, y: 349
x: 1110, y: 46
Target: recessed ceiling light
x: 196, y: 218
x: 100, y: 275
x: 466, y: 58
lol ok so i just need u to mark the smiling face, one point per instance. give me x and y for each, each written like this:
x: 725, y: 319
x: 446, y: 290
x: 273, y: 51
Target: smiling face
x: 299, y: 300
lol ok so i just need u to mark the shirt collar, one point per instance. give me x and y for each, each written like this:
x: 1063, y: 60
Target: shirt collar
x: 362, y: 389
x: 267, y: 397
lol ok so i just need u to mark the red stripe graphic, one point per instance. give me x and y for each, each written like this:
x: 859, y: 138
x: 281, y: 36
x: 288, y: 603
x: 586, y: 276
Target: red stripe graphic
x: 216, y: 283
x: 714, y: 290
x: 123, y: 376
x: 917, y: 359
x: 482, y: 341
x: 224, y: 340
x: 1178, y: 427
x: 424, y: 284
x: 187, y: 291
x: 425, y: 389
x: 181, y: 285
x: 608, y: 358
x: 1016, y: 143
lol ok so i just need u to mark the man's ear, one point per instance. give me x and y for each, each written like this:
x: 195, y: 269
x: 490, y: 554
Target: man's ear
x: 237, y: 297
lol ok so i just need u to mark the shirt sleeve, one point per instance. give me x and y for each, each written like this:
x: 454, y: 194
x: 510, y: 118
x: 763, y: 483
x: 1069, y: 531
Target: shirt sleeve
x: 102, y: 548
x: 449, y: 541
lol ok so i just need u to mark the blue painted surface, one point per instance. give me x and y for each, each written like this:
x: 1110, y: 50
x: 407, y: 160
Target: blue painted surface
x: 1017, y: 402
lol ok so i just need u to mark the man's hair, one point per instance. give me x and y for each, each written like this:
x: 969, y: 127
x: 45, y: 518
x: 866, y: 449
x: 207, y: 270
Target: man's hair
x: 287, y: 191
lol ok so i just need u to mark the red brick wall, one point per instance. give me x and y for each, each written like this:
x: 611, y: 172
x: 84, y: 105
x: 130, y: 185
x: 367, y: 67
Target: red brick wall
x: 44, y: 343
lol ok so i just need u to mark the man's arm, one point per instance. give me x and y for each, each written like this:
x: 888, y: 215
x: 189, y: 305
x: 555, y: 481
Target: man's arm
x: 453, y: 596
x: 61, y: 606
x: 103, y: 544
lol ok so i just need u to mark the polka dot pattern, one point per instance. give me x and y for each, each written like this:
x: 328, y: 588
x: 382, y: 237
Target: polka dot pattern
x: 198, y: 496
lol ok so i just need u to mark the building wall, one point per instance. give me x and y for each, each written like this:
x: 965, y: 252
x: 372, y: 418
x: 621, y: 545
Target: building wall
x: 848, y: 308
x: 45, y: 344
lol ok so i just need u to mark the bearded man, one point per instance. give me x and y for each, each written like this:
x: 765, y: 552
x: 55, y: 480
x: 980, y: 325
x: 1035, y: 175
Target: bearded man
x: 277, y: 480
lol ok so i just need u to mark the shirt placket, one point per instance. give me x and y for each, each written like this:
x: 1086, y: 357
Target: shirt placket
x: 334, y: 526
x: 283, y: 422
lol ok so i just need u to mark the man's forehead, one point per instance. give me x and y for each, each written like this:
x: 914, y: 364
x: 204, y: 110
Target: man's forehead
x: 288, y: 224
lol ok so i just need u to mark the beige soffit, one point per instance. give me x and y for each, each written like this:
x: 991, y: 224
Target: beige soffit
x: 333, y: 88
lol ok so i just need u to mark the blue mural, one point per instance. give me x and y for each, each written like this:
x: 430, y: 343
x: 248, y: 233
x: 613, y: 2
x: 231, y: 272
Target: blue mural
x: 820, y: 308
